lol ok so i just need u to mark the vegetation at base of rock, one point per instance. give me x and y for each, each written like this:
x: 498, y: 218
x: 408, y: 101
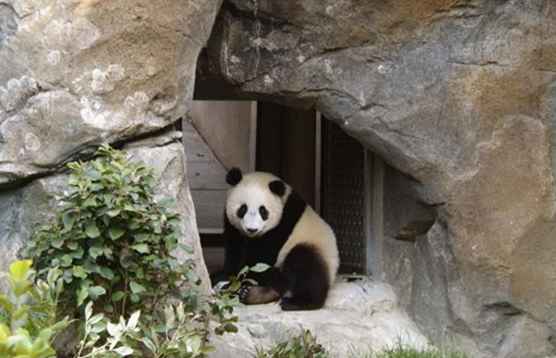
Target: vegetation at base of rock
x: 111, y: 245
x: 401, y: 351
x: 303, y: 346
x: 111, y: 238
x: 28, y: 322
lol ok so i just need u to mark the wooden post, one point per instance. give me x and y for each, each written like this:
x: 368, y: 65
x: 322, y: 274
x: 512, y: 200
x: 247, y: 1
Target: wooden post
x: 374, y: 215
x: 318, y: 160
x: 253, y: 137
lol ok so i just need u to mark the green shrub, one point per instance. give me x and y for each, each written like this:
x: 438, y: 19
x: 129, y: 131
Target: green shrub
x: 302, y: 346
x: 111, y: 242
x: 28, y: 322
x: 111, y: 238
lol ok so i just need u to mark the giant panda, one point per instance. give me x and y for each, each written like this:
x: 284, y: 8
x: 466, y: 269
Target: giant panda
x: 266, y: 221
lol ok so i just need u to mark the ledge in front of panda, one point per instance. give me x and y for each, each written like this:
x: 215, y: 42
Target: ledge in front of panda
x: 358, y: 314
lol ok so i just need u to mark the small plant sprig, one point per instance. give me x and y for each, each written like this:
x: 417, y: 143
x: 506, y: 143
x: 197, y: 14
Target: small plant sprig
x: 28, y: 323
x: 102, y: 338
x: 112, y: 239
x: 181, y: 334
x: 303, y: 346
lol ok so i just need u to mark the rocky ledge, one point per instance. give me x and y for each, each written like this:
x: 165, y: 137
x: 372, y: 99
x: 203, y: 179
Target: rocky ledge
x: 358, y: 316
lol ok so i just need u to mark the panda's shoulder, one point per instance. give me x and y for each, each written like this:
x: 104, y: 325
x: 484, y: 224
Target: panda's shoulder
x: 294, y: 208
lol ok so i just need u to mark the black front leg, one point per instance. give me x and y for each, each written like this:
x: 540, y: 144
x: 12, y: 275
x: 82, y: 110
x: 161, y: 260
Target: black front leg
x: 271, y: 285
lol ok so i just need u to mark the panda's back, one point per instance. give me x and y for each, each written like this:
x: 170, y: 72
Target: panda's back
x: 313, y: 231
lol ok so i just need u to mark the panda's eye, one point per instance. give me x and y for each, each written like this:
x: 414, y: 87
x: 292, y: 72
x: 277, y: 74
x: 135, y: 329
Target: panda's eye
x: 264, y: 212
x: 241, y: 211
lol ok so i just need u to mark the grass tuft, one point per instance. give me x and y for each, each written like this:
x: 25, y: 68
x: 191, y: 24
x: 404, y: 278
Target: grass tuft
x: 401, y: 351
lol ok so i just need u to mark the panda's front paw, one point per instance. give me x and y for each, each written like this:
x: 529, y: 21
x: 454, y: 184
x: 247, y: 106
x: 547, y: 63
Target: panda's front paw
x: 243, y: 294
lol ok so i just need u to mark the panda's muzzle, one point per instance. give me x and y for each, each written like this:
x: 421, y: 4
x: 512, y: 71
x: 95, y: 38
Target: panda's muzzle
x: 252, y: 231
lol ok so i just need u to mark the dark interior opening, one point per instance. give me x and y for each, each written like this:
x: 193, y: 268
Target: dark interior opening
x: 370, y: 205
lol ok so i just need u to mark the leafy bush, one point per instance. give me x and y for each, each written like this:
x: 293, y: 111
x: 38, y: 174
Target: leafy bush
x: 302, y: 346
x: 111, y: 238
x: 111, y: 242
x: 28, y: 322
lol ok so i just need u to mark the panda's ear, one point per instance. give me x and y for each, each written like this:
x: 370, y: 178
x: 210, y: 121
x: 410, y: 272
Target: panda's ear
x: 277, y: 187
x: 234, y: 176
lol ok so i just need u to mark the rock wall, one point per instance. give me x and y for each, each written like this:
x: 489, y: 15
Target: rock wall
x: 77, y: 73
x: 461, y: 97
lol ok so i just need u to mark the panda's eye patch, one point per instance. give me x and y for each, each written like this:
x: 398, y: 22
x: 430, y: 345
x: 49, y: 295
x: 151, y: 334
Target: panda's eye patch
x: 241, y: 211
x: 264, y: 212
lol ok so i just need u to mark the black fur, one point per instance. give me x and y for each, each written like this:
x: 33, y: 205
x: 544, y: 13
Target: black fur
x: 307, y: 276
x: 277, y: 187
x: 303, y: 272
x: 234, y: 176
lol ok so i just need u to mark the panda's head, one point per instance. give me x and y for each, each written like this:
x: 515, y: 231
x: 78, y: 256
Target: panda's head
x: 255, y: 201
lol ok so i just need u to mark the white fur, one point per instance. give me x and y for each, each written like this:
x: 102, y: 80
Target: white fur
x: 313, y: 230
x: 253, y: 191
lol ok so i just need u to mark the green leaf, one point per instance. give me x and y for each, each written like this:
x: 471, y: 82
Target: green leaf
x: 116, y: 232
x: 259, y: 267
x: 96, y: 291
x: 124, y: 351
x: 83, y: 294
x: 20, y: 270
x: 91, y: 201
x: 135, y: 298
x: 113, y: 213
x: 141, y: 248
x: 68, y: 219
x: 92, y: 230
x: 106, y: 272
x: 88, y: 310
x: 57, y: 243
x: 95, y: 251
x: 79, y: 272
x: 230, y: 328
x: 66, y: 260
x: 136, y: 288
x: 117, y: 296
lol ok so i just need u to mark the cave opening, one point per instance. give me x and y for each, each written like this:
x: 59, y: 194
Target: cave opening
x: 372, y: 207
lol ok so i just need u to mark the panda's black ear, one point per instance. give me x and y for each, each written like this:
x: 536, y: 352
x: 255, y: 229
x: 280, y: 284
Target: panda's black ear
x: 234, y: 176
x: 277, y: 187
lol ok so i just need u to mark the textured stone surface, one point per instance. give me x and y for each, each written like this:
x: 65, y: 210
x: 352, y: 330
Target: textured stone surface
x: 459, y: 95
x: 76, y: 73
x: 165, y: 155
x: 357, y: 317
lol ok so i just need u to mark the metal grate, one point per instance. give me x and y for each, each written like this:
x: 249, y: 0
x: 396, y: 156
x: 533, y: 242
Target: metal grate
x: 343, y: 195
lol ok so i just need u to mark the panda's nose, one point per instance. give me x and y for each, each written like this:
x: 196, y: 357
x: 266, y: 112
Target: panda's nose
x: 251, y: 231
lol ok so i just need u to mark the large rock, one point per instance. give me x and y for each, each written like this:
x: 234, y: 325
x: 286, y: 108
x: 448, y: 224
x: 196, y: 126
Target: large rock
x: 461, y: 97
x: 74, y: 74
x: 77, y: 73
x: 358, y: 317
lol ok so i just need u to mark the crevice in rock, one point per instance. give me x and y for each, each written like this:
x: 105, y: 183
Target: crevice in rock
x: 255, y: 15
x: 503, y: 308
x: 480, y: 64
x: 86, y: 152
